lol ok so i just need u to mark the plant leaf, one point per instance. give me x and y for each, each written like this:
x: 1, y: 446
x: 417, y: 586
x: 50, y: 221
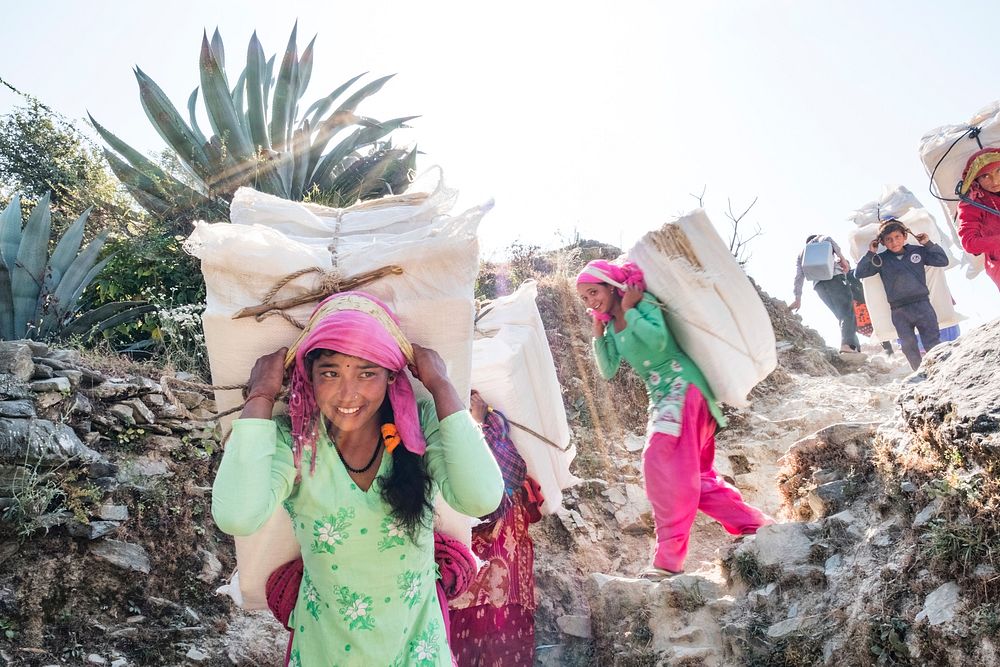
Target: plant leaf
x: 237, y: 96
x: 28, y: 271
x: 218, y: 49
x: 76, y: 277
x: 105, y: 317
x: 284, y: 88
x: 66, y: 249
x: 219, y: 103
x: 268, y: 79
x: 357, y: 139
x: 139, y: 162
x: 303, y: 76
x: 255, y: 94
x: 323, y: 104
x: 10, y: 239
x: 170, y: 125
x: 192, y: 113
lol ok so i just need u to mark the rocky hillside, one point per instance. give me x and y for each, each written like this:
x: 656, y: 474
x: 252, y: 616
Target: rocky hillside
x: 109, y: 555
x: 884, y: 487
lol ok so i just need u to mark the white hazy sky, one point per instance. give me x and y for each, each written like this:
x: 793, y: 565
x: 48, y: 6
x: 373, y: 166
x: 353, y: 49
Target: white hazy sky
x: 597, y: 118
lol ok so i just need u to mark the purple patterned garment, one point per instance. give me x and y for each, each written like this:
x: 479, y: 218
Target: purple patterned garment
x: 512, y: 466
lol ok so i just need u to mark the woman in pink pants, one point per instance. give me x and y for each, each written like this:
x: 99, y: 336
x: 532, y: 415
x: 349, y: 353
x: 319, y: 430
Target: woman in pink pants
x: 679, y: 457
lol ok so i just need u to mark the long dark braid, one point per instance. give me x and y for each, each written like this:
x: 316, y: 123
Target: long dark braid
x: 407, y: 489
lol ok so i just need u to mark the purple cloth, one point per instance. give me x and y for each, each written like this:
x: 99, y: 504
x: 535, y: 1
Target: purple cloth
x: 512, y: 466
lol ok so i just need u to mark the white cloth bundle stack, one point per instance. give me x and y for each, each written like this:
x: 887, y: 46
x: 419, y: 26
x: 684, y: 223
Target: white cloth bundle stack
x: 710, y: 304
x: 513, y: 370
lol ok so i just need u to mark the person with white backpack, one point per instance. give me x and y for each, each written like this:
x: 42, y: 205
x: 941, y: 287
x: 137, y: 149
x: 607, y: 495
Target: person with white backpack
x: 356, y: 464
x: 678, y: 461
x: 816, y: 262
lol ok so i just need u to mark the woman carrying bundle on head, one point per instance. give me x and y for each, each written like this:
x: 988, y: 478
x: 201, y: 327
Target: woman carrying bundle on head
x: 356, y: 464
x: 493, y: 622
x: 678, y: 461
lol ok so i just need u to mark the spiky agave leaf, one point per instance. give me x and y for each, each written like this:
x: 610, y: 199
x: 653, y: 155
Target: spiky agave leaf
x: 76, y: 278
x: 360, y: 138
x: 65, y: 252
x: 255, y: 71
x: 284, y: 89
x: 10, y: 239
x: 221, y: 111
x: 28, y: 271
x: 104, y: 317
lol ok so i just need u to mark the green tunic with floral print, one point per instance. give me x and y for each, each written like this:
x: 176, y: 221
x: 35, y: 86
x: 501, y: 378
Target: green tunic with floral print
x: 648, y: 346
x: 368, y: 594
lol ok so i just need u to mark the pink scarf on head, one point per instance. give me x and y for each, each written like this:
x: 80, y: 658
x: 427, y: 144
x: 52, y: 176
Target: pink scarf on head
x: 359, y: 325
x: 601, y: 271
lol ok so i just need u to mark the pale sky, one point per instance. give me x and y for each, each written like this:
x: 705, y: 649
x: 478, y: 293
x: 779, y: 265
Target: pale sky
x: 597, y: 118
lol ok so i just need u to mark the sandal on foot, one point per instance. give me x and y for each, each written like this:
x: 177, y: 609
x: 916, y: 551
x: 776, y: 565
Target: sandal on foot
x: 653, y: 573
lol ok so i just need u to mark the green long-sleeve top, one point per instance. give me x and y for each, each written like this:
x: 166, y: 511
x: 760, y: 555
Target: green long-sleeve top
x: 649, y: 347
x: 368, y: 593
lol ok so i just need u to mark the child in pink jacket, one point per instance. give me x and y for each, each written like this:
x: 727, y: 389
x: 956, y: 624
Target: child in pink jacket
x: 979, y: 210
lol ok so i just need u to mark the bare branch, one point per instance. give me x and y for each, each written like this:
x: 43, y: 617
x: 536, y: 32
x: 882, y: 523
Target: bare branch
x: 701, y: 197
x: 738, y: 244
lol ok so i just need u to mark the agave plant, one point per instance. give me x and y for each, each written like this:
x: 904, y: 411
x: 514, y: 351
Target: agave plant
x: 40, y: 294
x: 260, y: 139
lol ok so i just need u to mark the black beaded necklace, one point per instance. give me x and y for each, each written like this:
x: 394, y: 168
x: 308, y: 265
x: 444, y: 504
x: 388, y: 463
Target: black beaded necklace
x: 371, y: 462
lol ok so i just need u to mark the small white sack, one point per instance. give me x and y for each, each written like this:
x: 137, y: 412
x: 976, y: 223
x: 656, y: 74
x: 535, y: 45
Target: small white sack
x: 711, y: 307
x: 944, y: 152
x: 896, y: 200
x: 513, y: 370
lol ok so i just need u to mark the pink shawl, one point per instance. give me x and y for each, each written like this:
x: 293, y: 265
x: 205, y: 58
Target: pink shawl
x: 602, y: 271
x: 359, y: 325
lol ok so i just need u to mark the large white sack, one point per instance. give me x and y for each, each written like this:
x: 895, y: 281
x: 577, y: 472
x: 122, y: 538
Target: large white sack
x: 425, y: 200
x: 513, y: 370
x: 920, y: 222
x: 944, y: 152
x: 432, y: 297
x: 711, y: 307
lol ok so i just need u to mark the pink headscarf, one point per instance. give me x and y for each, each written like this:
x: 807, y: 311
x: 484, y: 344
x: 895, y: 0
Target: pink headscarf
x: 352, y: 331
x: 601, y: 271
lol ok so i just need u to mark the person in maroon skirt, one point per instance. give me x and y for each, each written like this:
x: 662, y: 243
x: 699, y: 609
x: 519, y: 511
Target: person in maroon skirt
x: 493, y: 622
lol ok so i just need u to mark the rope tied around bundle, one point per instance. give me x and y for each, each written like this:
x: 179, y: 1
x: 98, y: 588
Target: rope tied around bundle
x: 331, y: 281
x: 537, y: 435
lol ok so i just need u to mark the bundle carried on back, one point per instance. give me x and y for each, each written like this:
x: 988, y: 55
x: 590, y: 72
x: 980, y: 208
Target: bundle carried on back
x: 900, y: 204
x: 513, y: 370
x: 265, y: 272
x: 944, y: 152
x: 710, y: 304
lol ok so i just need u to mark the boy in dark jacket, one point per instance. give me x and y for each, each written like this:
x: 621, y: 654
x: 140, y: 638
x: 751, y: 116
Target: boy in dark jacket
x: 901, y: 266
